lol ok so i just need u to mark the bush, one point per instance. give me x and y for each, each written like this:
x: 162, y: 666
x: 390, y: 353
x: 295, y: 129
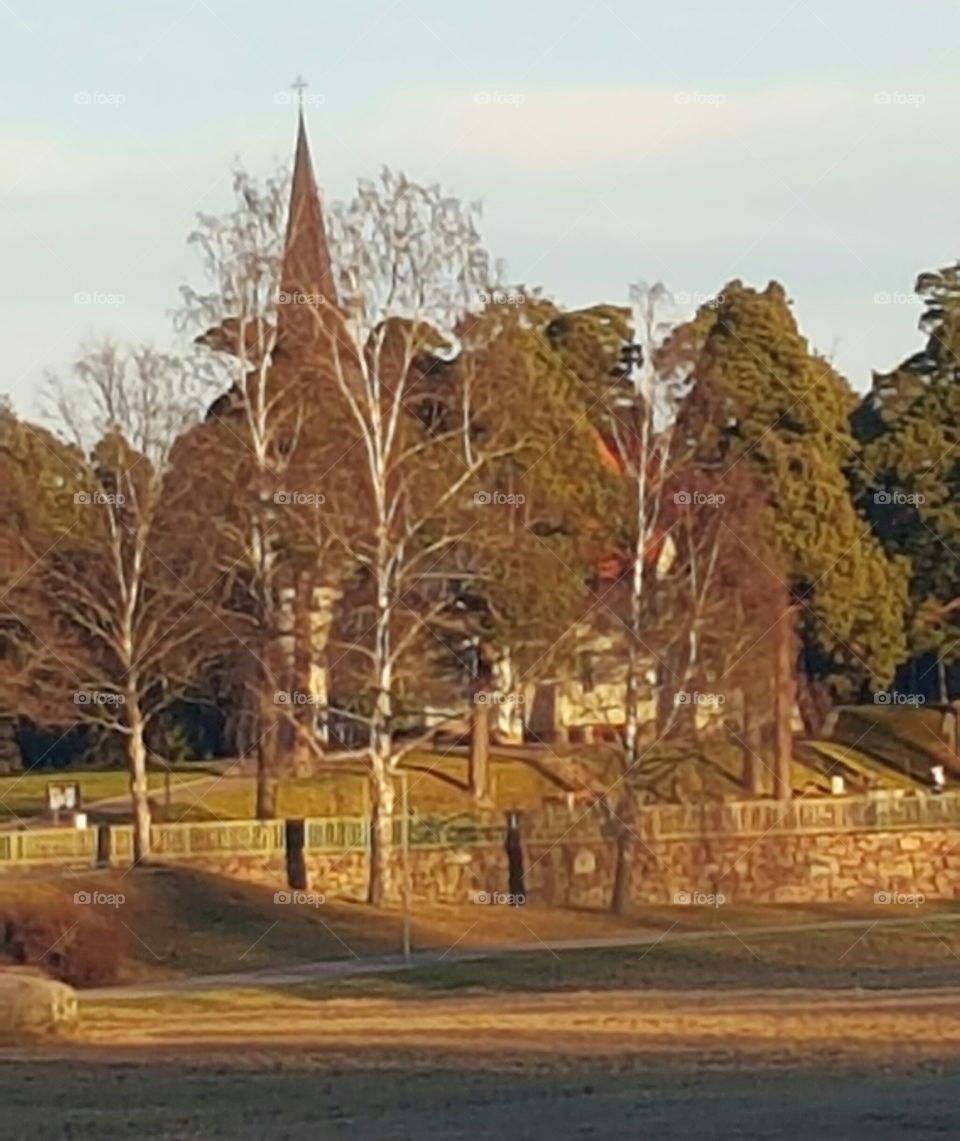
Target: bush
x: 76, y: 944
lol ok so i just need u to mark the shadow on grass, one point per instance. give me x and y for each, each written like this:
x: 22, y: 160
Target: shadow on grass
x: 920, y: 955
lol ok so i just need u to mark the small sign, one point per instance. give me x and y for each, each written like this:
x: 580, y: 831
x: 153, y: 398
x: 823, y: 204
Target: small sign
x: 63, y: 797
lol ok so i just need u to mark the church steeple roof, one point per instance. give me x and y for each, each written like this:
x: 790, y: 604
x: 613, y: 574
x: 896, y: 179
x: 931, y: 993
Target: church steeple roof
x: 306, y: 272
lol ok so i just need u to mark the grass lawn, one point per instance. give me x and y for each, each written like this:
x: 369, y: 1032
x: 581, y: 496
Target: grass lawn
x: 909, y: 739
x: 715, y: 772
x: 26, y: 795
x: 437, y: 786
x: 595, y: 1063
x: 540, y: 1067
x: 178, y: 922
x: 923, y: 952
x: 744, y: 962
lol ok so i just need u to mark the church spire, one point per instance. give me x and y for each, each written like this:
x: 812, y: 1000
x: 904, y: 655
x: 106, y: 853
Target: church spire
x: 306, y: 272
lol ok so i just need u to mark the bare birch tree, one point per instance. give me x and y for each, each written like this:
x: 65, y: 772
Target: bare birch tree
x: 640, y: 426
x: 115, y: 622
x: 412, y: 264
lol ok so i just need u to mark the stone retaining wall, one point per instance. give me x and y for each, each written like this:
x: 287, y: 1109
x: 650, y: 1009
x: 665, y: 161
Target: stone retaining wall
x: 808, y: 868
x: 813, y: 868
x: 437, y: 875
x: 568, y: 860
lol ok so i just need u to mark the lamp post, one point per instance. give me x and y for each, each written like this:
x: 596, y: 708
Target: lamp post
x: 405, y: 846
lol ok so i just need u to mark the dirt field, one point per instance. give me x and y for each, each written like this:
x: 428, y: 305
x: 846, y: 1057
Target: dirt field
x: 426, y: 1102
x: 749, y: 1032
x: 545, y: 1067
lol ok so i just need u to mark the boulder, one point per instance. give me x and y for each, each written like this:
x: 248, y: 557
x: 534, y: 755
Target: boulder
x: 34, y: 1008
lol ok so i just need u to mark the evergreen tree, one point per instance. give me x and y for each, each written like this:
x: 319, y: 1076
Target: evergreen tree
x: 760, y: 396
x: 908, y: 479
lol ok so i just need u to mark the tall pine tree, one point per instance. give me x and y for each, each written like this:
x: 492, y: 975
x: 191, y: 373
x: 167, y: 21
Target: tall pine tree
x: 760, y: 396
x: 908, y: 480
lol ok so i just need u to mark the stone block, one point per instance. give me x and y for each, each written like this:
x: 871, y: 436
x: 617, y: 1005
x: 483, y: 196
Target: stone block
x: 33, y: 1008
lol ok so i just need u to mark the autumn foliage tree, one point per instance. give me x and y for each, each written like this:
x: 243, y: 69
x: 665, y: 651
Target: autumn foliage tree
x: 117, y: 607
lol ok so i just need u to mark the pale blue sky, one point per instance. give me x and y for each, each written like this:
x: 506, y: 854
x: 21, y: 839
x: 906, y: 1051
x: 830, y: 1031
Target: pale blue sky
x: 687, y: 141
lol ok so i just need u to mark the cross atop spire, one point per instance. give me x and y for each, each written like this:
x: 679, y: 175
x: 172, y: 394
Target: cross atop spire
x: 298, y: 86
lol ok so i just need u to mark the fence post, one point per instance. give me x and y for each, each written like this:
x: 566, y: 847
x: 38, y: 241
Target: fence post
x: 294, y: 843
x: 514, y: 848
x: 104, y: 846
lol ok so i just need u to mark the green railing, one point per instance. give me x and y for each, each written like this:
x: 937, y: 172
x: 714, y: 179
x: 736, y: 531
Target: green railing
x: 67, y: 846
x: 212, y: 838
x: 336, y: 833
x: 345, y: 833
x: 875, y: 813
x: 182, y: 842
x: 449, y: 831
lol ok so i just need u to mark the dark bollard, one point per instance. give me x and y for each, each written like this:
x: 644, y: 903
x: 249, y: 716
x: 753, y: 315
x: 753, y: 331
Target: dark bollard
x: 104, y: 846
x: 296, y: 861
x: 514, y: 849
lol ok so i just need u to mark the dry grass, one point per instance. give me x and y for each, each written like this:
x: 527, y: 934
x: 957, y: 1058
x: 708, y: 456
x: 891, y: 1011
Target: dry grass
x: 529, y: 1073
x: 181, y: 922
x: 453, y: 1052
x: 438, y: 786
x: 26, y: 795
x: 580, y: 1023
x: 749, y: 953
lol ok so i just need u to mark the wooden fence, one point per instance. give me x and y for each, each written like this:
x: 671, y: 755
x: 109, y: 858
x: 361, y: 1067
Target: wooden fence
x: 212, y: 838
x: 877, y: 813
x: 48, y: 846
x: 182, y: 842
